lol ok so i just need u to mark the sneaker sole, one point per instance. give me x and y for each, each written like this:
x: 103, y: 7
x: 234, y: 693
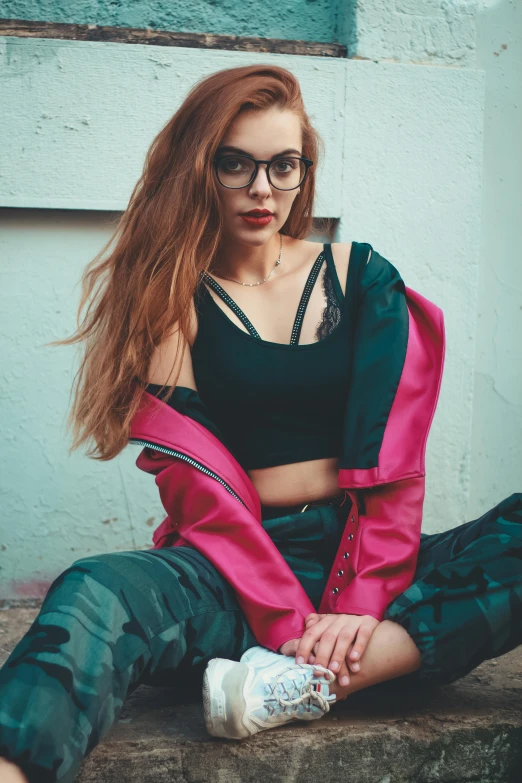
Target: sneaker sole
x: 224, y: 712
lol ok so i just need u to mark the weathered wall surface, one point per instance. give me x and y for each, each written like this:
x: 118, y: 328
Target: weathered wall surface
x: 416, y: 31
x: 406, y: 137
x: 307, y: 20
x: 496, y: 445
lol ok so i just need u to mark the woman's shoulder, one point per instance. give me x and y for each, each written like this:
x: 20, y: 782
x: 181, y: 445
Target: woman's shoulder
x: 341, y: 254
x: 371, y: 266
x: 173, y: 353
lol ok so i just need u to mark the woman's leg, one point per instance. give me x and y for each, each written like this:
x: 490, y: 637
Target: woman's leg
x: 390, y: 653
x: 107, y: 624
x: 465, y: 604
x: 463, y: 607
x: 10, y: 773
x: 309, y: 542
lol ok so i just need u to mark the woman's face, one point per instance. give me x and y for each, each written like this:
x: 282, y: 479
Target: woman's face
x: 262, y: 135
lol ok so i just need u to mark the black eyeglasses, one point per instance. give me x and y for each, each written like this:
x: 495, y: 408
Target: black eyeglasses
x: 238, y: 171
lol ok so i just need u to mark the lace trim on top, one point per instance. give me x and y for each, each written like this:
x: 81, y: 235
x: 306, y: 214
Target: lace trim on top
x: 332, y: 312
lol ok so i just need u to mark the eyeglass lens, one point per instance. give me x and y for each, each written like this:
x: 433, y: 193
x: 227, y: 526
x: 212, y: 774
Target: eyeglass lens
x: 284, y: 173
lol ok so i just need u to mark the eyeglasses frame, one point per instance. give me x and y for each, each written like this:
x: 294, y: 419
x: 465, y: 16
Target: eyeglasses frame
x: 306, y: 161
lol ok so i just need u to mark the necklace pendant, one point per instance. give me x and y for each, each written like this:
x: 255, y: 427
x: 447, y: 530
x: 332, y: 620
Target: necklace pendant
x: 266, y: 278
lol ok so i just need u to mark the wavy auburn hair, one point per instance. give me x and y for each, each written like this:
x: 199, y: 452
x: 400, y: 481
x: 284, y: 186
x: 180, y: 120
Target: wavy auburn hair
x: 142, y: 282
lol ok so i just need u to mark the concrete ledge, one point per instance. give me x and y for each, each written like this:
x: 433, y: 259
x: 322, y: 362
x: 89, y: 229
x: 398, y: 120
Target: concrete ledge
x: 470, y: 731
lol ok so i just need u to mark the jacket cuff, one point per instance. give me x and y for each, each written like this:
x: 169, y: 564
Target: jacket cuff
x: 383, y: 560
x: 281, y: 632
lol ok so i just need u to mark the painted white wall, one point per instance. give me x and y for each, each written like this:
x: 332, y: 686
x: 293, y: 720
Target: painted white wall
x: 403, y: 172
x: 78, y: 117
x: 483, y: 34
x: 496, y: 445
x: 416, y: 31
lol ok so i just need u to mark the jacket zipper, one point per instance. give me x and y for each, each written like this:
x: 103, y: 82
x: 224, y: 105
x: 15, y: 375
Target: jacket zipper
x: 191, y: 461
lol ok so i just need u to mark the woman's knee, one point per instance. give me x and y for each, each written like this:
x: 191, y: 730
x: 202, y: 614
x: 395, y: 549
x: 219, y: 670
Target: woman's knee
x: 98, y: 567
x: 85, y: 577
x: 506, y: 516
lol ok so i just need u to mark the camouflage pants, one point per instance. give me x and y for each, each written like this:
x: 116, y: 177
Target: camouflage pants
x: 112, y: 622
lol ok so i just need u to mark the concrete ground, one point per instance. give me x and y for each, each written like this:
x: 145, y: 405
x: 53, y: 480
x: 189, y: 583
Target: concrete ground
x: 467, y: 732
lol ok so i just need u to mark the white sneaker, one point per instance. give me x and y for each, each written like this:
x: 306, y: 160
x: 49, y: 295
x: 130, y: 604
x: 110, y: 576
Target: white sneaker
x: 264, y: 689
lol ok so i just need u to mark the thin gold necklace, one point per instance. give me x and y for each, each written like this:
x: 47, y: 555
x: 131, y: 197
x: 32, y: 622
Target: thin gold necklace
x: 266, y: 278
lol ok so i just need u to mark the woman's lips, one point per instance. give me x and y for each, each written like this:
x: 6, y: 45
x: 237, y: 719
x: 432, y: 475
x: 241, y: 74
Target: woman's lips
x: 257, y: 221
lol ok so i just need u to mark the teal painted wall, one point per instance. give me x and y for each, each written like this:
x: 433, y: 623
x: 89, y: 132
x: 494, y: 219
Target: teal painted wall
x: 307, y: 20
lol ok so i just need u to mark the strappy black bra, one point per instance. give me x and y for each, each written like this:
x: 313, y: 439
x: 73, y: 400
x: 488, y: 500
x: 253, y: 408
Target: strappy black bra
x: 276, y: 403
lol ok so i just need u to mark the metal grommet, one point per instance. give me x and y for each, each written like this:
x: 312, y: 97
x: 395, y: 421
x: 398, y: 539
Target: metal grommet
x: 335, y: 590
x: 346, y: 555
x: 340, y: 572
x: 350, y: 537
x: 353, y: 519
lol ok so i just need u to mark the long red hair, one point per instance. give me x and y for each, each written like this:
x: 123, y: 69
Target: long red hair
x: 143, y: 280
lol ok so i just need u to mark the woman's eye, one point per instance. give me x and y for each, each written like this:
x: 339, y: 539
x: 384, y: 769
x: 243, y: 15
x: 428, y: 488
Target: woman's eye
x: 285, y: 165
x: 232, y: 164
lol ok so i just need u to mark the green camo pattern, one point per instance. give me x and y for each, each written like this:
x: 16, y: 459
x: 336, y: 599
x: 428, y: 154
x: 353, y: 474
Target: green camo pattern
x: 465, y: 603
x: 114, y: 621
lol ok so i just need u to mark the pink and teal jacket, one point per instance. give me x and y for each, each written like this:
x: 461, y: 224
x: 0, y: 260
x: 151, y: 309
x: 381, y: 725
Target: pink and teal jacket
x: 213, y: 506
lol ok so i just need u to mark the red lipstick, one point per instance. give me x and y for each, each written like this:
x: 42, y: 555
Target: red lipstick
x: 257, y: 217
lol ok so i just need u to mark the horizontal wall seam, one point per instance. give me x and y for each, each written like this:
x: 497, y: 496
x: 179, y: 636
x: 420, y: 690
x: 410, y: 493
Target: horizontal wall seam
x: 22, y: 28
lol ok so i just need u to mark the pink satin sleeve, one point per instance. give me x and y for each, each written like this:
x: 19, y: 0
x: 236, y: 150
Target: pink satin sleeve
x: 389, y: 527
x: 207, y: 517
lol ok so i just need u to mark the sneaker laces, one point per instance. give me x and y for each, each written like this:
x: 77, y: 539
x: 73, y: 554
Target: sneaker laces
x: 306, y: 693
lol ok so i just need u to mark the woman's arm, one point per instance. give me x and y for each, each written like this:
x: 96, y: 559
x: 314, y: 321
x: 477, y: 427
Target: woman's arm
x: 389, y: 528
x: 397, y: 370
x: 206, y: 516
x: 164, y: 363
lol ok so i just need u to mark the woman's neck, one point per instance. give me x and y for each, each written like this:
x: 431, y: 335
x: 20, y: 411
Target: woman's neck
x: 247, y: 263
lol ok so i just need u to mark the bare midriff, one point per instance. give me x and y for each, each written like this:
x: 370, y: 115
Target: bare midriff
x: 299, y: 482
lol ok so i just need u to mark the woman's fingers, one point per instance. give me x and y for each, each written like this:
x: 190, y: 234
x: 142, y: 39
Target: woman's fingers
x: 343, y: 675
x: 344, y: 640
x: 310, y: 620
x: 353, y: 663
x: 337, y: 643
x: 313, y: 618
x: 328, y: 641
x: 355, y: 655
x: 309, y: 638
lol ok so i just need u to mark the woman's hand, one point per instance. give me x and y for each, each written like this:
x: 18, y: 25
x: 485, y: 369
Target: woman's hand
x: 289, y: 647
x: 334, y: 640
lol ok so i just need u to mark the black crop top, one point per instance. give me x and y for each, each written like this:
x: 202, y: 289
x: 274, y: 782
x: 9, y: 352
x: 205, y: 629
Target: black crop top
x: 276, y: 403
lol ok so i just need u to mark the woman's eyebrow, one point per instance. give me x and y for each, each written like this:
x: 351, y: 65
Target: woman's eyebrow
x: 243, y: 152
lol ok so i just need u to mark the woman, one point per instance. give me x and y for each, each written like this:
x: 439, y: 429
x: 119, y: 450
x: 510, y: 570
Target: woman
x: 290, y: 568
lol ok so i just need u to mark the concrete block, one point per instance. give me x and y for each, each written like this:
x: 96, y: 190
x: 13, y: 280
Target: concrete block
x: 469, y: 731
